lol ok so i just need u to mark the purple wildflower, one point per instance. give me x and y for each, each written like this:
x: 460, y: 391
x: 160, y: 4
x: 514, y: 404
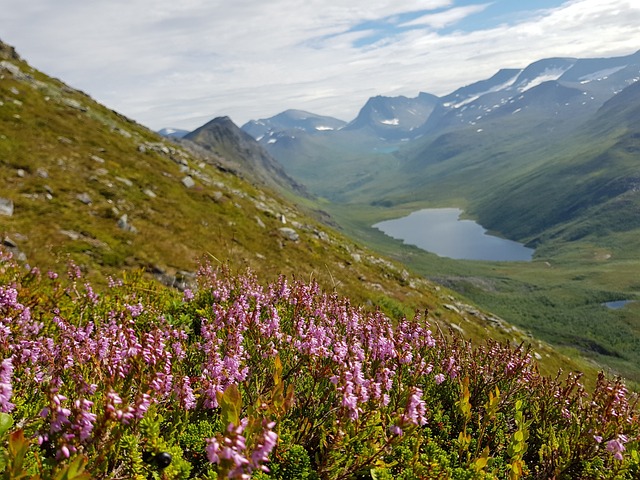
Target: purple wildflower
x: 6, y: 390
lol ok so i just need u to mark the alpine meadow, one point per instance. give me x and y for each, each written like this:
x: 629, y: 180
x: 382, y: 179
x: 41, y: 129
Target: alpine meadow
x: 217, y: 304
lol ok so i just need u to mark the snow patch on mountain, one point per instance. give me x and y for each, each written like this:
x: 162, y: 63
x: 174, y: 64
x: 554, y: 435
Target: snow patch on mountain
x: 496, y: 88
x: 391, y: 121
x: 600, y: 75
x: 547, y: 76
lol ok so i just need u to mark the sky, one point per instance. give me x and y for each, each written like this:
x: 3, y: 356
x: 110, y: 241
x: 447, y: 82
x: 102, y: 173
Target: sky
x: 181, y: 63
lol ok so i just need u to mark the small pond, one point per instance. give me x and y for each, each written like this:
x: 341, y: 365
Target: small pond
x: 617, y: 304
x: 441, y: 231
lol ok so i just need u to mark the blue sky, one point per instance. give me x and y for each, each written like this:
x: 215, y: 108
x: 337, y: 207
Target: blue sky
x: 166, y: 63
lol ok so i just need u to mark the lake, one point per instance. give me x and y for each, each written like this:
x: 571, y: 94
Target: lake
x: 616, y: 305
x: 440, y: 231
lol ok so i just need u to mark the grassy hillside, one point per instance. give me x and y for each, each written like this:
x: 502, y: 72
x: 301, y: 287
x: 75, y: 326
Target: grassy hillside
x: 91, y: 186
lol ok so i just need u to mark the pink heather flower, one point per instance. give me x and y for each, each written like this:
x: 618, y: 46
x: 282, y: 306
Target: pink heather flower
x: 439, y: 378
x: 396, y: 430
x: 597, y: 438
x: 185, y: 394
x: 135, y: 310
x: 64, y: 451
x: 416, y: 409
x: 213, y: 450
x: 231, y: 448
x: 616, y: 446
x: 73, y: 271
x: 187, y: 295
x: 90, y: 294
x: 264, y: 446
x: 6, y: 390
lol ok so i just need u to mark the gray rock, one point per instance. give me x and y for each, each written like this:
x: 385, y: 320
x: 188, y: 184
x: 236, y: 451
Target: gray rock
x: 21, y: 173
x: 289, y: 234
x: 217, y: 195
x: 149, y: 193
x: 97, y: 159
x: 6, y: 207
x: 84, y: 198
x: 73, y: 235
x: 126, y: 181
x: 260, y: 222
x: 8, y: 242
x: 123, y: 224
x: 12, y: 247
x: 70, y: 102
x: 188, y: 182
x: 12, y: 69
x: 42, y: 173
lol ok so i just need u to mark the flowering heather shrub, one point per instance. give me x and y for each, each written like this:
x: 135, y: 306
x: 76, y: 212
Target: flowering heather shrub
x: 237, y: 379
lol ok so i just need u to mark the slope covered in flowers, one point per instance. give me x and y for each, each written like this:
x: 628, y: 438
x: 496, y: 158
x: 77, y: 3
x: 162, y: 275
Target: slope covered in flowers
x: 278, y: 380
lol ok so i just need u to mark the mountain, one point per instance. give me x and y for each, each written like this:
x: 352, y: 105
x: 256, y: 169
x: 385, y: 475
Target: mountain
x: 394, y: 118
x: 240, y: 152
x: 534, y: 107
x: 293, y: 122
x: 173, y: 132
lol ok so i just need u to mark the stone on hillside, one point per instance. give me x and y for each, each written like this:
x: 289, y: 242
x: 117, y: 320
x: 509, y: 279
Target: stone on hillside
x: 6, y: 207
x: 149, y: 193
x: 12, y: 69
x: 97, y: 159
x: 12, y: 247
x: 123, y: 224
x: 126, y: 181
x: 289, y: 234
x: 21, y: 173
x: 188, y: 182
x: 84, y: 198
x: 322, y: 235
x: 70, y: 102
x: 260, y: 222
x: 217, y: 196
x: 73, y: 235
x: 42, y: 173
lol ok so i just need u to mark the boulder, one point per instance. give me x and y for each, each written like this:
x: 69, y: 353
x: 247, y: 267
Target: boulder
x: 84, y: 198
x: 188, y: 182
x: 289, y: 234
x: 123, y: 224
x: 6, y: 207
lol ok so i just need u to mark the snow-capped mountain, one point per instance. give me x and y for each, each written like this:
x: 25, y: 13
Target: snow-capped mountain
x: 552, y: 95
x: 173, y: 132
x: 291, y: 121
x: 554, y: 88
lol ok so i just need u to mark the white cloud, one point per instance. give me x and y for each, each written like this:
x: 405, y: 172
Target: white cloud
x: 179, y: 64
x: 447, y: 17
